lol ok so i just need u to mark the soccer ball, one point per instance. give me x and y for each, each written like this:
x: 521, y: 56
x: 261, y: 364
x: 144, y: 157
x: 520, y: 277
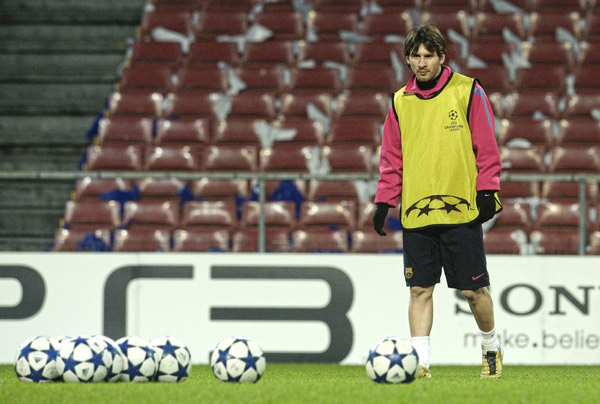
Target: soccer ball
x: 141, y: 359
x: 83, y: 359
x: 174, y: 359
x: 118, y: 359
x: 36, y: 360
x: 238, y: 360
x: 392, y: 360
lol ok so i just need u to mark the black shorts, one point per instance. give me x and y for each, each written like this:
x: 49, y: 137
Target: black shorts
x: 459, y: 250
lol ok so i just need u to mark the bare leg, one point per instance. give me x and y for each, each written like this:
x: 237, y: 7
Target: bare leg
x: 482, y: 307
x: 420, y: 310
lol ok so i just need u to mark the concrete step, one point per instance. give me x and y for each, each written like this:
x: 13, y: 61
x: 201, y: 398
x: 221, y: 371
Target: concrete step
x: 106, y: 11
x: 27, y: 158
x: 45, y: 130
x: 29, y: 222
x: 25, y: 243
x: 53, y: 99
x: 64, y: 38
x: 35, y: 194
x: 68, y: 68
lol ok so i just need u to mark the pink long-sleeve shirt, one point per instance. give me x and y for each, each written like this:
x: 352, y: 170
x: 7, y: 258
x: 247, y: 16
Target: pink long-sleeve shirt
x: 481, y: 124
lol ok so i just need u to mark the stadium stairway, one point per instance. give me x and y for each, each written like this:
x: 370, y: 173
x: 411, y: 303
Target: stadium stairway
x: 58, y: 62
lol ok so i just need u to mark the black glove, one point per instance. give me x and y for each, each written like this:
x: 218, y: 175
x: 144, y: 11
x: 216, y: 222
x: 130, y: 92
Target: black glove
x: 379, y: 218
x: 486, y: 203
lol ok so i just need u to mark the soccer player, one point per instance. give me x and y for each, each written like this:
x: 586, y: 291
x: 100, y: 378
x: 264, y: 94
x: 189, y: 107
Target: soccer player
x: 440, y: 162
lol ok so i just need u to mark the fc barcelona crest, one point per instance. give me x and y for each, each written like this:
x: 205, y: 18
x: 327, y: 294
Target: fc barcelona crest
x: 408, y: 272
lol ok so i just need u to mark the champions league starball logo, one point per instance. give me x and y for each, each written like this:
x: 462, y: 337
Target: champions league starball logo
x: 442, y: 203
x: 453, y: 115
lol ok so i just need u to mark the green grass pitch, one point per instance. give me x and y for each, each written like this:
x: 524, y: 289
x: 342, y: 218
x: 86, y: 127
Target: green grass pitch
x: 316, y: 383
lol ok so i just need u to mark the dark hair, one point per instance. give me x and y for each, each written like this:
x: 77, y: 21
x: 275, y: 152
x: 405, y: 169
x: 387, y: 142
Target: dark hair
x: 425, y: 34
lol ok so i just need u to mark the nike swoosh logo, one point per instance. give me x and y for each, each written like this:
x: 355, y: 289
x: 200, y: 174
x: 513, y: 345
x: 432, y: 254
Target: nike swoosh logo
x: 476, y: 277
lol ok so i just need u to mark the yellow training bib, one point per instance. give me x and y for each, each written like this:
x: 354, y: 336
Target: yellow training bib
x: 439, y: 177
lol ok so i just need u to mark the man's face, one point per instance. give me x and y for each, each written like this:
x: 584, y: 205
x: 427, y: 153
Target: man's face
x: 425, y: 64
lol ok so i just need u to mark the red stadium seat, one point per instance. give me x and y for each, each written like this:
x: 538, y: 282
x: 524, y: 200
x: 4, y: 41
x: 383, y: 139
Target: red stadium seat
x: 574, y: 160
x: 91, y: 215
x: 578, y: 132
x: 253, y: 104
x: 182, y: 132
x: 549, y: 52
x: 355, y: 130
x: 332, y: 191
x: 173, y: 20
x: 276, y: 240
x: 191, y: 105
x: 555, y: 241
x: 213, y: 23
x: 237, y: 132
x: 142, y: 240
x: 296, y: 104
x: 308, y: 133
x: 167, y: 53
x: 307, y: 241
x: 210, y: 52
x: 168, y: 189
x: 268, y: 78
x: 150, y: 214
x: 114, y: 157
x: 147, y: 77
x: 549, y: 78
x: 489, y: 25
x: 276, y: 190
x: 492, y: 78
x: 376, y: 53
x: 219, y: 190
x: 446, y: 20
x: 315, y: 79
x: 338, y: 5
x: 90, y: 188
x: 525, y: 104
x: 557, y: 215
x: 371, y: 242
x: 136, y: 104
x: 349, y: 157
x: 321, y: 51
x: 327, y: 24
x: 276, y: 214
x: 381, y: 25
x: 505, y: 240
x: 125, y: 130
x: 568, y: 192
x: 209, y: 215
x: 285, y: 157
x: 269, y: 53
x: 373, y: 78
x: 173, y: 158
x: 544, y: 22
x: 530, y: 160
x: 74, y: 240
x: 514, y: 215
x: 581, y: 104
x: 285, y: 25
x: 231, y: 158
x: 586, y: 78
x: 327, y: 215
x: 199, y: 240
x: 202, y: 78
x: 363, y: 103
x: 511, y: 190
x: 537, y: 132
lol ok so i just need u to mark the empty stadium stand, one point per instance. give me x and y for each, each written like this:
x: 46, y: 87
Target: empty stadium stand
x: 267, y: 86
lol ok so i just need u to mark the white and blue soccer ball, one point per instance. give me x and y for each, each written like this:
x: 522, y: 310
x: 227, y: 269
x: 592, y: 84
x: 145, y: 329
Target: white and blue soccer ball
x: 238, y: 360
x: 83, y: 359
x: 35, y: 361
x: 174, y: 359
x: 119, y: 361
x: 141, y: 359
x: 392, y: 360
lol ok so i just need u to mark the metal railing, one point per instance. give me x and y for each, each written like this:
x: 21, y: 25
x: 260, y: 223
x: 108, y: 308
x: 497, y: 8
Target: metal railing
x: 261, y: 177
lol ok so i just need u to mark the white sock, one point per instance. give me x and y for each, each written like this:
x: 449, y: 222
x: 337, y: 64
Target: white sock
x: 421, y: 344
x: 489, y: 341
